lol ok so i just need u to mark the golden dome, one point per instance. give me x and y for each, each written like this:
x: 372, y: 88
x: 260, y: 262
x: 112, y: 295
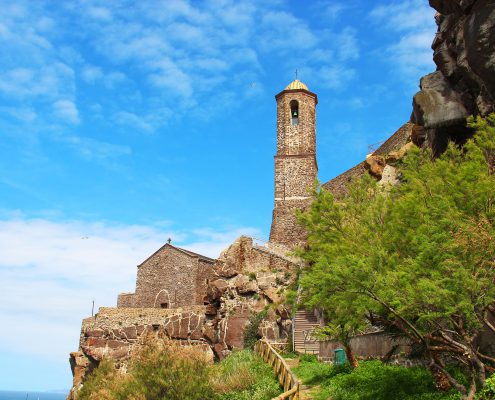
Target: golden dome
x: 296, y: 84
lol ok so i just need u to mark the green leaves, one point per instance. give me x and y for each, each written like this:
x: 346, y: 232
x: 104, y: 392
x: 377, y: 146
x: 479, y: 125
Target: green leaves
x: 422, y: 254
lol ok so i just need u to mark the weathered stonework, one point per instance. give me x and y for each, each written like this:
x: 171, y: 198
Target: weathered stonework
x: 170, y: 278
x: 392, y: 149
x: 464, y: 81
x: 296, y: 168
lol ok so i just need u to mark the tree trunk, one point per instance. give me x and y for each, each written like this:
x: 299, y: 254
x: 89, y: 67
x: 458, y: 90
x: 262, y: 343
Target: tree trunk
x: 441, y: 381
x: 350, y: 356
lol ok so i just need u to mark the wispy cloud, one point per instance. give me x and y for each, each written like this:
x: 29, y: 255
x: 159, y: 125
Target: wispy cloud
x: 66, y: 110
x: 181, y: 52
x: 413, y: 23
x: 51, y: 270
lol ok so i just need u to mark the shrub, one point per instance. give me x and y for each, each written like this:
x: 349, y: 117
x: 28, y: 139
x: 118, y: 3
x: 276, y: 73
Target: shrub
x: 488, y: 391
x: 313, y: 372
x: 244, y: 376
x: 156, y: 372
x: 374, y: 380
x: 251, y: 333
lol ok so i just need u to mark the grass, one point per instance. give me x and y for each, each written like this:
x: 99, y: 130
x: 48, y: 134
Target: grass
x: 373, y: 380
x: 244, y: 376
x: 173, y: 372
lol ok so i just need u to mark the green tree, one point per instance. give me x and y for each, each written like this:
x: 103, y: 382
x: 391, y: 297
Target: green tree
x: 418, y: 258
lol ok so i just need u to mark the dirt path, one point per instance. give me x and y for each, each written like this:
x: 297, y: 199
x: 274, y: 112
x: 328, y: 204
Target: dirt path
x: 305, y: 391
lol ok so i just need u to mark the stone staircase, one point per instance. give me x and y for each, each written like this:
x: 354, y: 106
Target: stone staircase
x: 304, y: 324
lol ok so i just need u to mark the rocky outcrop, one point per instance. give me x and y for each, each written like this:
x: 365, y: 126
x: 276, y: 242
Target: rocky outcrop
x: 378, y: 163
x: 464, y: 83
x: 250, y: 279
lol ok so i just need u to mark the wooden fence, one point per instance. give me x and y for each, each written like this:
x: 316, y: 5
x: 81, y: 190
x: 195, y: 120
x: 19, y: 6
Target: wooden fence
x: 285, y: 376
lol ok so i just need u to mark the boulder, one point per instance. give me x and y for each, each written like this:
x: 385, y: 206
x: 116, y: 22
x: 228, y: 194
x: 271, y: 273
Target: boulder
x: 245, y: 285
x: 216, y: 289
x: 266, y: 279
x: 389, y: 177
x: 272, y: 294
x: 375, y: 165
x: 464, y: 83
x: 437, y: 104
x: 393, y: 156
x: 233, y: 327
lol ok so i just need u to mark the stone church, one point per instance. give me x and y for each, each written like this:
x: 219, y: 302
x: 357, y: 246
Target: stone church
x: 199, y: 301
x: 173, y: 277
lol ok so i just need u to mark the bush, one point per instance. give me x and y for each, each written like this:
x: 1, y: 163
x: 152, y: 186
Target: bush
x: 251, y: 333
x: 156, y: 372
x: 174, y: 372
x: 488, y: 391
x: 374, y: 380
x: 102, y: 383
x: 312, y: 372
x: 244, y: 376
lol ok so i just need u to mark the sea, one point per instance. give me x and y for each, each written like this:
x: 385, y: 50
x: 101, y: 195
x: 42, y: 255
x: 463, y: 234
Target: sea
x: 7, y: 395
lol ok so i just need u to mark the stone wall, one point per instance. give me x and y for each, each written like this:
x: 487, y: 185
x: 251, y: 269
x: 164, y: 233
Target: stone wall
x: 285, y: 228
x: 338, y: 185
x: 300, y: 138
x: 117, y: 332
x: 205, y: 274
x: 370, y: 345
x: 170, y: 278
x: 295, y: 165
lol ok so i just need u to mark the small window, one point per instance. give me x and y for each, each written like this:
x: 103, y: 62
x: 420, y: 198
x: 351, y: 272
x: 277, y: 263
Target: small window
x: 294, y: 112
x: 163, y: 305
x: 207, y: 281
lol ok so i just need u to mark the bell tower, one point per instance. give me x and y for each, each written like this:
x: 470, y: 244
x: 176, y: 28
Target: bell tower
x: 295, y: 162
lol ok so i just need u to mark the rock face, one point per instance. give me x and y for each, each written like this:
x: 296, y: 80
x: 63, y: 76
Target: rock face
x: 246, y: 280
x: 464, y: 83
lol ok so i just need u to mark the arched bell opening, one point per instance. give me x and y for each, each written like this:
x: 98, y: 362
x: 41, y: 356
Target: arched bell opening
x: 294, y: 112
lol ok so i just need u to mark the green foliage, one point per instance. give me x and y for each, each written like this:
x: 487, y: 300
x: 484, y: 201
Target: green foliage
x: 101, y: 377
x: 417, y: 258
x: 313, y: 372
x: 174, y: 372
x: 244, y: 376
x: 308, y: 358
x: 488, y: 392
x: 377, y: 381
x: 373, y: 380
x: 163, y: 375
x: 156, y: 373
x: 252, y: 276
x: 251, y: 335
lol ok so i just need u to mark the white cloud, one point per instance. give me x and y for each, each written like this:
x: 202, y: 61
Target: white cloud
x: 100, y: 13
x: 67, y: 111
x: 347, y: 44
x: 50, y: 272
x: 333, y: 10
x: 92, y: 149
x: 412, y: 23
x: 91, y: 74
x: 335, y: 76
x: 129, y: 118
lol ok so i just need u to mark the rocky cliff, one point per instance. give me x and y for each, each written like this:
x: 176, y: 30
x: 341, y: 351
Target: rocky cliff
x: 249, y: 279
x: 464, y: 82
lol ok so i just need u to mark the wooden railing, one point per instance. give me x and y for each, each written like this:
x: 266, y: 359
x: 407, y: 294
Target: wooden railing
x: 285, y: 376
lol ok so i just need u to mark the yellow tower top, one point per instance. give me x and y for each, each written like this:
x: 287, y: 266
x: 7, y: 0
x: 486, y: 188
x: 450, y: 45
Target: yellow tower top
x: 296, y: 84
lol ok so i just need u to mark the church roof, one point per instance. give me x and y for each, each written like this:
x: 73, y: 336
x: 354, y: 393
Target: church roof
x: 296, y: 84
x: 180, y: 249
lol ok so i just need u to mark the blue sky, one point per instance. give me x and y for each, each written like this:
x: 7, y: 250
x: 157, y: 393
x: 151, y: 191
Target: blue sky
x: 124, y: 123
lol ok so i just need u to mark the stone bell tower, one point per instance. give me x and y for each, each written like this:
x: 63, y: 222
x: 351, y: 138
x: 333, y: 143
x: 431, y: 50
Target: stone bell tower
x: 295, y: 162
